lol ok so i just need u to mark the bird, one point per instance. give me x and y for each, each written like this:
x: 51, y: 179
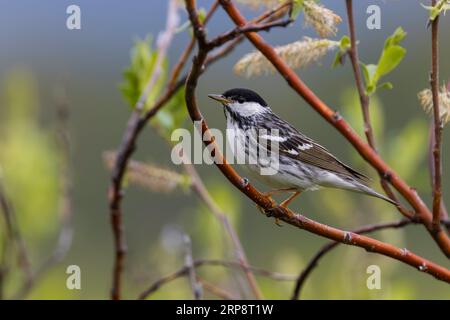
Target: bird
x: 303, y: 164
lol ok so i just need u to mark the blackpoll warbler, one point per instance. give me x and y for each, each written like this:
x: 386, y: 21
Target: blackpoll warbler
x: 302, y: 163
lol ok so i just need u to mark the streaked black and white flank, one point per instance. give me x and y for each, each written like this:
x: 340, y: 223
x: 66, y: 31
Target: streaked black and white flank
x: 302, y: 163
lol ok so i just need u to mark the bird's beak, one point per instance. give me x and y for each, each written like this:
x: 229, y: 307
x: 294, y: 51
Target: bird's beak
x: 220, y: 98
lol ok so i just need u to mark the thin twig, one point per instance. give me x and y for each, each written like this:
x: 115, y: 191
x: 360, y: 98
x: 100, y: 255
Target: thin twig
x: 215, y: 290
x: 312, y: 264
x: 223, y: 38
x: 190, y: 267
x: 434, y: 82
x: 221, y: 263
x: 431, y: 143
x: 335, y: 119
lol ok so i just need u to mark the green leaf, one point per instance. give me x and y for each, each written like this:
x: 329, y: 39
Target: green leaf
x: 435, y: 11
x: 345, y: 43
x: 390, y: 58
x: 201, y: 15
x: 344, y: 46
x: 398, y: 36
x: 137, y: 75
x: 369, y: 71
x: 386, y: 85
x: 297, y: 6
x: 337, y: 59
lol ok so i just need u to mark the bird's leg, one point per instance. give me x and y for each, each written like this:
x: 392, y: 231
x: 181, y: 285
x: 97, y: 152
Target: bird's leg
x: 277, y: 191
x: 285, y: 203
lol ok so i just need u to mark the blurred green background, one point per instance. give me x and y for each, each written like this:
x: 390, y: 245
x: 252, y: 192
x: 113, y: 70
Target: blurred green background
x: 40, y: 56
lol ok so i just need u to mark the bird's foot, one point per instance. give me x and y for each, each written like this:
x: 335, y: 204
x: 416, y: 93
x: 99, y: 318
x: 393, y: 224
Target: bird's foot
x: 286, y: 202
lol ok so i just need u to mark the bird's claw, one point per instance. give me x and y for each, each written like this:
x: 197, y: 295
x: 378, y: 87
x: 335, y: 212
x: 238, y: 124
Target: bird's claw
x: 277, y: 222
x: 269, y: 213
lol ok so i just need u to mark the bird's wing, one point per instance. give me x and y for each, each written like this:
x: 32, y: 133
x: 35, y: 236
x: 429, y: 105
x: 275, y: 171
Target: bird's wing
x: 296, y: 145
x: 310, y: 152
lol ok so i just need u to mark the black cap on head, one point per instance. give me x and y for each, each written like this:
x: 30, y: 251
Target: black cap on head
x: 242, y: 95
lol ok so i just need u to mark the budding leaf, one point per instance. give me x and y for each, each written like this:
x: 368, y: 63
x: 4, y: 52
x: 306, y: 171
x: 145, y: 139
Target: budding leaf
x: 297, y: 6
x: 138, y: 73
x: 344, y: 46
x: 390, y: 58
x: 435, y: 11
x: 386, y: 85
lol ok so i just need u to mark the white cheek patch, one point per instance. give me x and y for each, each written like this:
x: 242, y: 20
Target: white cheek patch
x: 305, y: 146
x: 247, y: 109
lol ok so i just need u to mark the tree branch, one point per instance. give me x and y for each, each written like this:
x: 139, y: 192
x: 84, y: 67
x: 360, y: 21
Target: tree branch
x: 189, y: 264
x: 431, y: 143
x: 215, y: 290
x: 335, y: 119
x: 223, y: 38
x: 434, y: 82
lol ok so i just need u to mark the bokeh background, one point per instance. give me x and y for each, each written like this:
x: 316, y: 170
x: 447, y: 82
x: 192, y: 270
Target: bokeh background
x: 40, y: 57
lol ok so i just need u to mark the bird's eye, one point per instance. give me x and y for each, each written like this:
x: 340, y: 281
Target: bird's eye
x: 240, y: 100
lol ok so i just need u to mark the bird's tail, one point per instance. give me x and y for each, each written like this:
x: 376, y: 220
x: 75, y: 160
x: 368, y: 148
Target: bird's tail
x: 369, y: 191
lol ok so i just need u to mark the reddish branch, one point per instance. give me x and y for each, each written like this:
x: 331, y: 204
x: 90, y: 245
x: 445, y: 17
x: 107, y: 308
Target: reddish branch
x: 434, y: 82
x: 431, y: 143
x: 263, y: 201
x: 335, y: 119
